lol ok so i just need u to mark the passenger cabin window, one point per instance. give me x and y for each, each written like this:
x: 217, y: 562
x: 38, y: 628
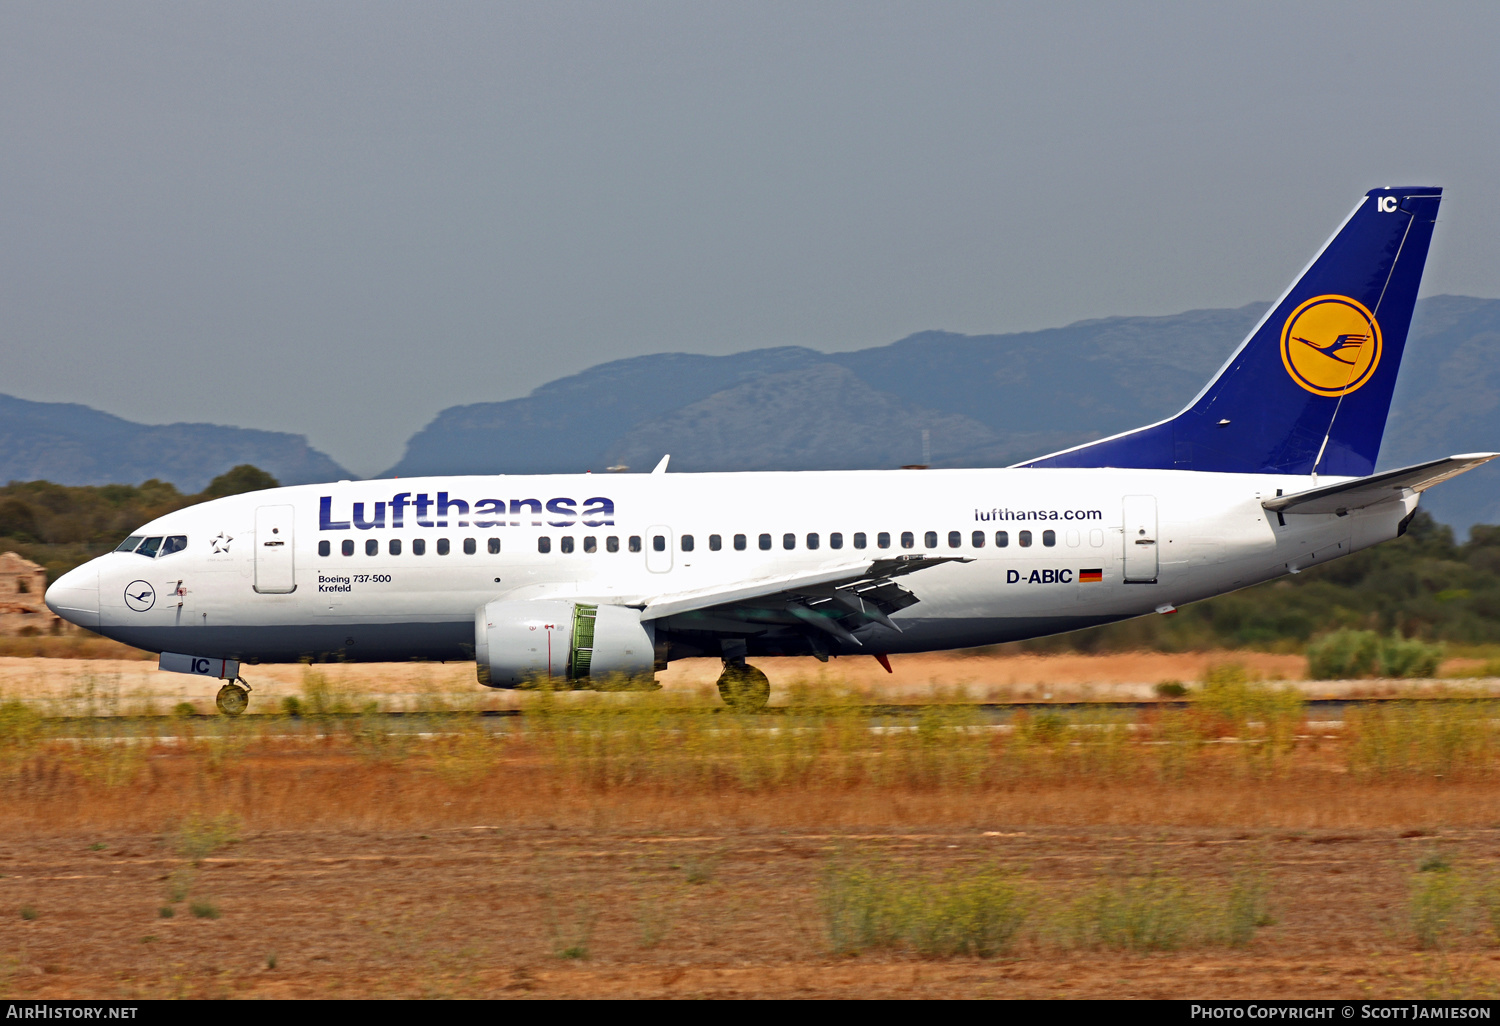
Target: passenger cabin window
x: 635, y: 543
x: 148, y: 548
x: 883, y: 540
x: 929, y: 540
x: 129, y: 544
x: 176, y: 543
x: 442, y: 547
x: 789, y: 541
x: 566, y: 543
x: 590, y: 544
x: 544, y: 544
x: 612, y: 544
x: 955, y: 539
x: 372, y: 547
x: 419, y: 546
x: 1024, y: 538
x: 977, y: 540
x: 908, y: 540
x: 1002, y: 539
x: 859, y: 539
x: 765, y: 542
x: 715, y: 543
x: 835, y: 540
x: 687, y: 543
x: 658, y: 543
x: 348, y: 547
x: 324, y: 548
x: 812, y: 541
x: 470, y: 546
x: 739, y: 543
x: 394, y: 548
x: 1049, y: 538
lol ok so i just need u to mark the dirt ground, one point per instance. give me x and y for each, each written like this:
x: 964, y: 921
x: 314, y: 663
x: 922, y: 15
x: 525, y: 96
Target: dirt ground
x: 127, y: 685
x: 347, y: 875
x: 483, y: 912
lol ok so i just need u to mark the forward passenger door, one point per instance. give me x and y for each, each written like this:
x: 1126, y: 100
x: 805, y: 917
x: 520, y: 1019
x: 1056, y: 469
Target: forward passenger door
x: 275, y: 558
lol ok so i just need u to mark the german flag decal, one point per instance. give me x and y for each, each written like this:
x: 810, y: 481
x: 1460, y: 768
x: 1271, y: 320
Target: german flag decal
x: 1090, y: 576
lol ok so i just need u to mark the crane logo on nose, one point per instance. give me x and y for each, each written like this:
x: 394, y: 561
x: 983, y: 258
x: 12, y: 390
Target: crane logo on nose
x: 1330, y: 345
x: 140, y: 596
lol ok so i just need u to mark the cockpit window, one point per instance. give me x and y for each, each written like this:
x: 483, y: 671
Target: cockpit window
x: 148, y: 548
x: 129, y: 544
x: 175, y: 543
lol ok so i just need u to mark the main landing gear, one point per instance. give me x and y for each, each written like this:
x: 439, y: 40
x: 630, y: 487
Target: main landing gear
x: 744, y: 688
x: 233, y: 697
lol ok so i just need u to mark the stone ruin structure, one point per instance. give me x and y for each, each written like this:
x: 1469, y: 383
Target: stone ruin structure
x: 22, y: 611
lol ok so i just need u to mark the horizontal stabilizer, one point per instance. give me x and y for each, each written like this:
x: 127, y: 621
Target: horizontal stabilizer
x: 1368, y: 491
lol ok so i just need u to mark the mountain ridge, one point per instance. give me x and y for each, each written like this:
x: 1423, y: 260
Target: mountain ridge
x: 73, y: 444
x: 984, y: 400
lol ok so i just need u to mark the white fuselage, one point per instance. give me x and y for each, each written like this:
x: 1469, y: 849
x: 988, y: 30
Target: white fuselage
x: 251, y: 583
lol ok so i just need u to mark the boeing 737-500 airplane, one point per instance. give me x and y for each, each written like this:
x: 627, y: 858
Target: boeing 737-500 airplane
x: 583, y: 580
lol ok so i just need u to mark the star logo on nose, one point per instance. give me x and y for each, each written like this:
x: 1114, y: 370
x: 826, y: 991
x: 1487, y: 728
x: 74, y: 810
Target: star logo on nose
x: 221, y: 543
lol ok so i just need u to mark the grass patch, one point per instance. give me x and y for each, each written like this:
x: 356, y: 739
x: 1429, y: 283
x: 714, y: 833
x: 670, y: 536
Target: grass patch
x: 200, y: 836
x: 1423, y: 738
x: 204, y: 910
x: 978, y: 914
x: 987, y: 913
x: 1165, y: 913
x: 572, y: 936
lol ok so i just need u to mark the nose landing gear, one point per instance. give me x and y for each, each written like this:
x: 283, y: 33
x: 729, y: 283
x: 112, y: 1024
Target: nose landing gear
x: 233, y: 697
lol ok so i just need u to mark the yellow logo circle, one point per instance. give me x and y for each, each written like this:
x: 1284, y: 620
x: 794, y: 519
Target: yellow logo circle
x: 1330, y: 345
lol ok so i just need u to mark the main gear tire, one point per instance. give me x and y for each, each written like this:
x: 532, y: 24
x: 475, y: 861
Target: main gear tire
x: 744, y: 688
x: 232, y: 699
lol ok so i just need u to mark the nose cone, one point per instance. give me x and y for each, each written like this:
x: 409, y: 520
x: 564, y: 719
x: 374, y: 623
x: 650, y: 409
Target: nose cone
x: 75, y: 596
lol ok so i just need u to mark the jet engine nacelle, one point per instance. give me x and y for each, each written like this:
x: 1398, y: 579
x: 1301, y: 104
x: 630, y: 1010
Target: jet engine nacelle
x: 517, y: 643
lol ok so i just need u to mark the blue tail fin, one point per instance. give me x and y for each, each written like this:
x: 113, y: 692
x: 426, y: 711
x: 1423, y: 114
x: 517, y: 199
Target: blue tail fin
x: 1308, y: 391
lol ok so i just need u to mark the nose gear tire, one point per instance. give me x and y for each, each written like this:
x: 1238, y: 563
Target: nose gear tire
x: 232, y: 699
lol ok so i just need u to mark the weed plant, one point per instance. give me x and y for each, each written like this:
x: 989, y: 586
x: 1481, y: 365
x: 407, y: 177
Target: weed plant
x: 1423, y: 738
x: 1164, y: 913
x: 200, y: 836
x: 976, y: 914
x: 983, y: 914
x: 1263, y: 719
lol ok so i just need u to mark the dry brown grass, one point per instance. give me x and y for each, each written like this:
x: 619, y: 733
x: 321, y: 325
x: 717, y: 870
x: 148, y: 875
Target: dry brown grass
x: 596, y: 849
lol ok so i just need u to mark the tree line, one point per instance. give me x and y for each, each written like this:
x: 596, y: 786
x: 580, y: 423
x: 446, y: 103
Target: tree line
x: 63, y: 526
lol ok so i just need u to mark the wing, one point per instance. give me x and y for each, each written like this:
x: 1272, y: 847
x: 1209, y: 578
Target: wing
x: 1367, y: 491
x: 835, y: 601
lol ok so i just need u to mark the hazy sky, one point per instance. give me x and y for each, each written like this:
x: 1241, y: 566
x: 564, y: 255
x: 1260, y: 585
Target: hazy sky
x: 338, y: 218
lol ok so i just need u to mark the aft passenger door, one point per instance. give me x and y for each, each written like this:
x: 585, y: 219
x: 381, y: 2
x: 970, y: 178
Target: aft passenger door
x: 658, y: 549
x: 1141, y: 559
x: 275, y: 569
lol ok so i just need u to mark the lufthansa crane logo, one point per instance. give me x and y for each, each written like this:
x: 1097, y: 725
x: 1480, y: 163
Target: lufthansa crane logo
x: 140, y: 596
x: 1330, y: 345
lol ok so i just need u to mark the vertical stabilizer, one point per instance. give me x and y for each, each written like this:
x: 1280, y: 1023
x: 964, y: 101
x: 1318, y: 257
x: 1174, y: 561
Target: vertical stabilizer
x: 1308, y: 391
